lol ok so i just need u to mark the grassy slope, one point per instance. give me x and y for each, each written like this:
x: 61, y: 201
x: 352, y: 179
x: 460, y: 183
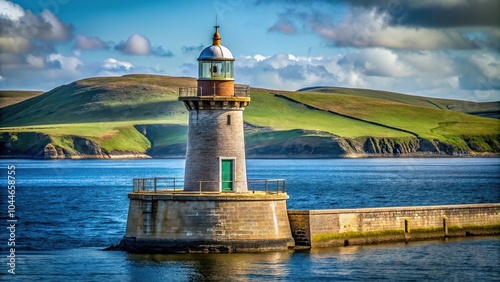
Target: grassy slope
x: 425, y: 122
x: 486, y: 108
x: 11, y: 97
x: 104, y: 110
x: 111, y: 110
x: 128, y: 98
x: 270, y: 111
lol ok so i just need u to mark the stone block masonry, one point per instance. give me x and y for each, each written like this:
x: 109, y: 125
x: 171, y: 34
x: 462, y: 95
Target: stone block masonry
x: 340, y: 227
x: 214, y: 134
x: 232, y: 222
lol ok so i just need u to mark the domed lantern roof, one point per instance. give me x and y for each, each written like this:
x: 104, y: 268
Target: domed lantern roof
x: 216, y: 52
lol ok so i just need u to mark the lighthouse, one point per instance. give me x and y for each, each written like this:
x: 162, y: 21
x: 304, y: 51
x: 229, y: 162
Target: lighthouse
x: 214, y: 208
x: 215, y: 155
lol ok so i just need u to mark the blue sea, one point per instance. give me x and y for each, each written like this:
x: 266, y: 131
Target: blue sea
x: 68, y: 211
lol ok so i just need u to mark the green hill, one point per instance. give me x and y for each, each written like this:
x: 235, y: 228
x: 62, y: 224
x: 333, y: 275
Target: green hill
x: 139, y: 115
x: 485, y: 109
x: 10, y: 97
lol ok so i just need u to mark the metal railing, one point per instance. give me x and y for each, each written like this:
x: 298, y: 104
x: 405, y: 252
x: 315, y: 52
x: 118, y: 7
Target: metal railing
x: 155, y: 184
x: 175, y: 185
x: 242, y: 91
x: 239, y: 91
x: 188, y: 91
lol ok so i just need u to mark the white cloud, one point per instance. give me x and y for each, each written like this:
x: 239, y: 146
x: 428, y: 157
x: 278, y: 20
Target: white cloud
x: 488, y: 64
x: 137, y: 44
x: 375, y: 62
x: 432, y: 73
x: 10, y: 11
x: 89, y: 43
x: 28, y: 44
x: 45, y: 73
x: 113, y: 64
x: 35, y: 61
x: 14, y: 45
x: 59, y: 66
x: 371, y: 28
x: 54, y: 29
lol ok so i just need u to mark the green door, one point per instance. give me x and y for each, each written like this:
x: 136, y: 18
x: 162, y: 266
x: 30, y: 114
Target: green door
x: 227, y: 175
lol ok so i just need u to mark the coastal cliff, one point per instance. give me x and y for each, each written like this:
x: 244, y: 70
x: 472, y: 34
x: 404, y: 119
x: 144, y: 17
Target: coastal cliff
x: 32, y: 145
x: 139, y: 116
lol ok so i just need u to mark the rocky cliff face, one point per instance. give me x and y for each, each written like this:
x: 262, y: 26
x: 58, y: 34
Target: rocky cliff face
x: 33, y: 145
x: 337, y: 147
x: 42, y: 146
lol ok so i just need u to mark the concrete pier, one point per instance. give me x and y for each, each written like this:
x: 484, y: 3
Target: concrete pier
x: 341, y: 227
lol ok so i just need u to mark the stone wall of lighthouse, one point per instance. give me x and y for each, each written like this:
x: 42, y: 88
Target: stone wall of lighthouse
x: 215, y: 133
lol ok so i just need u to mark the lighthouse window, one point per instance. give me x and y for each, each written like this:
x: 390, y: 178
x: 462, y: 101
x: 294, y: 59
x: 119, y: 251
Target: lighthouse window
x: 216, y: 69
x: 205, y: 70
x: 228, y: 120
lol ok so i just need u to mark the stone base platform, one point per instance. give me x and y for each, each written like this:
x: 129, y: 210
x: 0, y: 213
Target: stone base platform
x: 165, y: 222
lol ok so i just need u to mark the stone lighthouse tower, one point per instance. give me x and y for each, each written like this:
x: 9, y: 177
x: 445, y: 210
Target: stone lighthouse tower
x: 217, y: 209
x: 215, y: 158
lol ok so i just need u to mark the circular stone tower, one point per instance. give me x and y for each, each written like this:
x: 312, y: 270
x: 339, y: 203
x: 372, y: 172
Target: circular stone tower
x: 215, y: 156
x: 217, y: 210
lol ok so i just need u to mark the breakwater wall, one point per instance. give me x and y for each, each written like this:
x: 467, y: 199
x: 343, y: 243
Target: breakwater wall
x: 342, y: 227
x: 186, y: 222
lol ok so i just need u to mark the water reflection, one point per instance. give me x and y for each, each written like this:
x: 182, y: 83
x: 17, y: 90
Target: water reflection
x: 211, y: 267
x: 468, y: 259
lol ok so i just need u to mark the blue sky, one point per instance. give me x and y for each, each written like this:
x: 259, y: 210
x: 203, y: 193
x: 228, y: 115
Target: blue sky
x: 447, y: 48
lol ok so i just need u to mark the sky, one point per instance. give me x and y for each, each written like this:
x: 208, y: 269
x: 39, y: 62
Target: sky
x: 445, y: 49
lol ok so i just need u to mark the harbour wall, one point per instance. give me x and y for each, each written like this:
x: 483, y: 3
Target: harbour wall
x: 207, y: 223
x: 342, y: 227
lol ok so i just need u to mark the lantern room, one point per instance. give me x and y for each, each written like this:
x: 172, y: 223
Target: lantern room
x: 216, y: 69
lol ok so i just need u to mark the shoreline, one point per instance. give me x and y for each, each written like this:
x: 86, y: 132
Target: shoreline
x: 415, y: 236
x: 263, y: 157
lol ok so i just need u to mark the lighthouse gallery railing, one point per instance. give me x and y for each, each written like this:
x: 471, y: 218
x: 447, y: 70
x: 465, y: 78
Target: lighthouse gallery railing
x: 175, y: 185
x: 239, y: 91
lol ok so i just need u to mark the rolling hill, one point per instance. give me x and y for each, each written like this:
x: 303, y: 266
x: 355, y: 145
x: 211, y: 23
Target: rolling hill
x: 139, y: 116
x: 8, y: 98
x: 485, y: 109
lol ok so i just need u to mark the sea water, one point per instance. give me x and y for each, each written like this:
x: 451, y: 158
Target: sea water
x: 67, y: 211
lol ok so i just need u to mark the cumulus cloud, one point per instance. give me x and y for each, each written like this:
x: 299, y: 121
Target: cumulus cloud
x: 431, y: 73
x: 64, y: 66
x: 24, y: 32
x: 28, y: 46
x: 444, y: 13
x: 363, y: 28
x: 192, y: 49
x: 112, y: 66
x: 404, y: 24
x: 159, y: 51
x: 10, y: 11
x: 139, y: 45
x: 423, y: 13
x: 481, y: 72
x: 135, y: 45
x: 90, y: 43
x: 41, y: 72
x: 284, y: 71
x: 445, y: 48
x: 45, y: 73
